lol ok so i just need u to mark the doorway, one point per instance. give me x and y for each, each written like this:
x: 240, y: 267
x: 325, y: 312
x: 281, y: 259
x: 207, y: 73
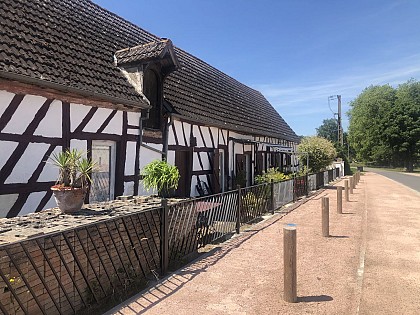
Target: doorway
x: 183, y: 161
x: 103, y: 176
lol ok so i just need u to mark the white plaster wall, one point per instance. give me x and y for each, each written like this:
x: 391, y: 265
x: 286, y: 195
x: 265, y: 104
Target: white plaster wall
x: 50, y: 125
x: 27, y: 163
x: 196, y: 134
x: 171, y: 137
x: 206, y: 135
x: 187, y: 132
x: 50, y: 172
x: 5, y: 99
x: 171, y: 157
x: 98, y: 119
x: 179, y: 132
x: 130, y: 158
x: 115, y: 126
x: 79, y: 144
x: 129, y: 188
x: 77, y: 113
x: 133, y: 120
x: 204, y: 160
x: 144, y: 192
x: 215, y: 133
x: 6, y: 203
x: 33, y: 201
x: 147, y: 156
x: 24, y: 114
x: 224, y: 139
x: 6, y: 149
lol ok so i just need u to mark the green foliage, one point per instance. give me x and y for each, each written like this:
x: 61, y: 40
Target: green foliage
x: 73, y: 169
x: 328, y: 130
x: 160, y: 175
x: 385, y: 124
x: 321, y: 153
x: 271, y: 174
x: 366, y: 122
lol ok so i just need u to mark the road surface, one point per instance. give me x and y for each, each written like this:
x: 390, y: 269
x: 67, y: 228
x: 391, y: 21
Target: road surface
x: 409, y: 180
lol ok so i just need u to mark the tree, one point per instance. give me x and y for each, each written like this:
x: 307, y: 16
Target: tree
x: 401, y: 129
x: 321, y: 153
x: 385, y: 124
x: 328, y: 130
x: 366, y: 115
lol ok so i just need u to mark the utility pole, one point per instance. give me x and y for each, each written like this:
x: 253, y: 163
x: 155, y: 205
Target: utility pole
x: 340, y: 127
x: 340, y: 137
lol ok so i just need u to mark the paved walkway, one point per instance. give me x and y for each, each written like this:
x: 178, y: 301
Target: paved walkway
x: 369, y: 265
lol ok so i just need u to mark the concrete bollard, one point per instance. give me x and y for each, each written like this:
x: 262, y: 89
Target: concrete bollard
x: 339, y: 199
x: 325, y: 216
x: 351, y: 185
x: 289, y: 260
x: 346, y: 189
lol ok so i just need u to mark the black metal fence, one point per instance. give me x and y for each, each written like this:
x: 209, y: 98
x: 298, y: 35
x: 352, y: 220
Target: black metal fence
x: 300, y: 185
x: 255, y: 201
x: 63, y: 272
x: 198, y: 222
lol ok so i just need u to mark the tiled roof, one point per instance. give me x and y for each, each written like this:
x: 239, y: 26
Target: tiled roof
x: 141, y: 52
x: 73, y: 42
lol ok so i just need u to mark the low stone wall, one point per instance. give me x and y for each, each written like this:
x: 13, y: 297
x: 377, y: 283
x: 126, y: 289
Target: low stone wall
x: 53, y: 263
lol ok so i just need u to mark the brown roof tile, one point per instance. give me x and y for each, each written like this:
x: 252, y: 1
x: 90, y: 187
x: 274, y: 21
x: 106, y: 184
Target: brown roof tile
x: 73, y: 42
x: 141, y: 52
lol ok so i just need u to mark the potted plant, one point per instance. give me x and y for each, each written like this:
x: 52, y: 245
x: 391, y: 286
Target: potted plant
x: 73, y: 179
x: 160, y: 175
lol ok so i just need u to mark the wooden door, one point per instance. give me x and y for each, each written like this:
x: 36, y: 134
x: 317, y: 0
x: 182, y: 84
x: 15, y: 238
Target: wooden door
x: 183, y: 160
x: 216, y: 175
x: 241, y: 173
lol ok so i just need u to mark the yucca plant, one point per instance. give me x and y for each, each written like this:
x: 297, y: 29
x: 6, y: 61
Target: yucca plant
x: 74, y: 169
x: 160, y: 175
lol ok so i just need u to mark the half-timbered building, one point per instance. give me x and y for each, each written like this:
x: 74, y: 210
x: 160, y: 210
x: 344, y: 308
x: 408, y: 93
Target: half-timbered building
x: 74, y: 75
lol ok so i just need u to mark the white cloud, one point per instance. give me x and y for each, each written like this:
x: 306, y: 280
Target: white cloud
x: 310, y: 99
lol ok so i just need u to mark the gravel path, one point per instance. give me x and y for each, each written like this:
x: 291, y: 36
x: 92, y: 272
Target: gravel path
x: 341, y: 274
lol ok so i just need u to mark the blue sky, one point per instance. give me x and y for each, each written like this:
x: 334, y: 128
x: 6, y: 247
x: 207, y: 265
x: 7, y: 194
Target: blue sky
x: 296, y: 52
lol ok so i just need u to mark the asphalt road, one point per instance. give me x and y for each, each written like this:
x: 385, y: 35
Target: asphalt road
x: 411, y: 181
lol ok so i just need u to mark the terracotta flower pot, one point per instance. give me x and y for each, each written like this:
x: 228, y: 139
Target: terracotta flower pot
x: 69, y: 199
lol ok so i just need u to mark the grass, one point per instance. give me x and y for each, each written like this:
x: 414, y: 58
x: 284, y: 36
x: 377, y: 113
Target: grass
x: 353, y: 167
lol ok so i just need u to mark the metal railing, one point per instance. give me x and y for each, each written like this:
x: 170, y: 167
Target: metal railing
x: 63, y: 272
x: 283, y: 193
x: 255, y: 201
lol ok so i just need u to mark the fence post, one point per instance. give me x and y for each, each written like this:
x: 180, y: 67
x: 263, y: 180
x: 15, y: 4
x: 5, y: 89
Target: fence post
x: 307, y: 184
x: 339, y: 199
x: 272, y: 196
x: 238, y: 213
x: 164, y: 242
x: 351, y: 184
x: 289, y: 261
x: 346, y: 189
x: 325, y: 201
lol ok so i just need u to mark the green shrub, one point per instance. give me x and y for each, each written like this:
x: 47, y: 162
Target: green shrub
x: 160, y: 175
x: 271, y: 174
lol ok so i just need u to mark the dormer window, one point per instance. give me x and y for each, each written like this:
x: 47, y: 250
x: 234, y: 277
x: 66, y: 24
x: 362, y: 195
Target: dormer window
x: 152, y: 90
x: 145, y: 67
